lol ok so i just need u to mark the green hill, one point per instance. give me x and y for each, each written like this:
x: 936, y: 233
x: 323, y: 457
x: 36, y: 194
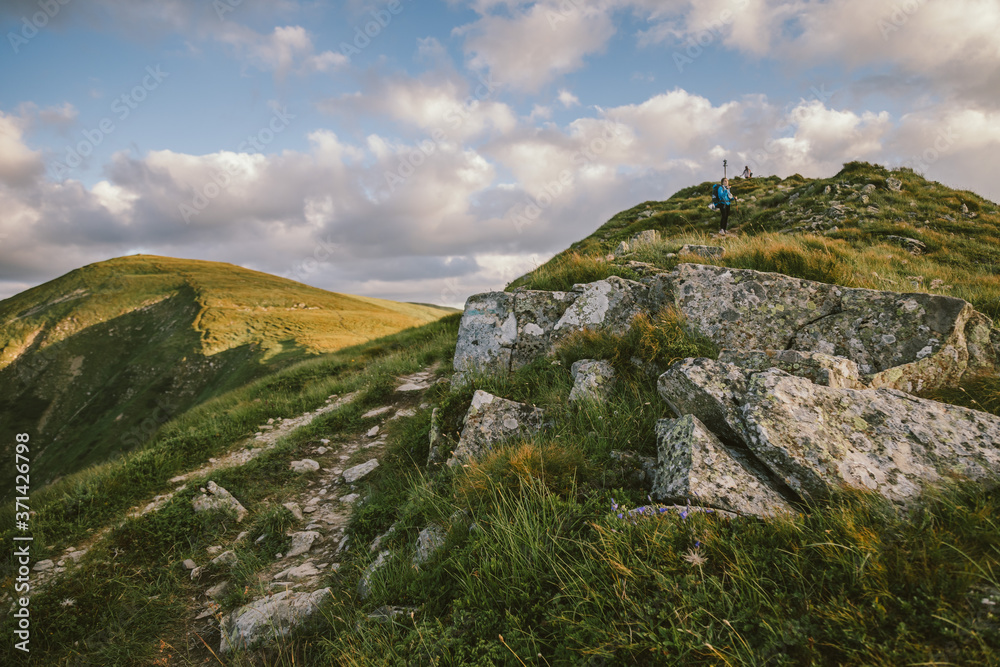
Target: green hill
x: 94, y: 362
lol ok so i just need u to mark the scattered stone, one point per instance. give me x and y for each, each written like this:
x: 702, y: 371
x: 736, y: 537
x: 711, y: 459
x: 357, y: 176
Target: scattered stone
x: 894, y: 184
x: 190, y: 564
x: 295, y: 510
x: 320, y: 451
x: 43, y: 565
x: 376, y: 412
x: 302, y: 542
x: 304, y: 466
x: 360, y: 471
x: 491, y: 420
x: 364, y: 584
x: 303, y: 571
x: 912, y: 245
x: 218, y: 591
x: 217, y: 499
x: 350, y: 498
x: 269, y: 618
x: 694, y: 464
x: 709, y: 251
x: 372, y: 432
x: 429, y: 542
x: 592, y: 380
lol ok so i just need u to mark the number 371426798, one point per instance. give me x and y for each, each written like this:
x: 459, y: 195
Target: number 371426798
x: 22, y: 466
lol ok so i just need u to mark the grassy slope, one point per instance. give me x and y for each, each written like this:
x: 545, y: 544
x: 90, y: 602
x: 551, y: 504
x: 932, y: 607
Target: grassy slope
x: 553, y: 573
x: 97, y: 360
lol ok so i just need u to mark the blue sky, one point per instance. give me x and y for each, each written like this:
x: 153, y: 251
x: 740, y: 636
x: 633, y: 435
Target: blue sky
x: 396, y: 149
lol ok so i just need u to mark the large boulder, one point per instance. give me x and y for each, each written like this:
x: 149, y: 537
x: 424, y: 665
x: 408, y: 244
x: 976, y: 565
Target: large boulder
x: 537, y: 314
x: 694, y: 466
x: 486, y: 334
x: 608, y: 305
x: 491, y: 420
x: 902, y: 341
x: 269, y: 618
x: 819, y: 439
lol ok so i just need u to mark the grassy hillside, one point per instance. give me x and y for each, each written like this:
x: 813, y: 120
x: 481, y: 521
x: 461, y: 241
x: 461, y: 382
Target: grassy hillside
x: 94, y: 362
x: 553, y: 555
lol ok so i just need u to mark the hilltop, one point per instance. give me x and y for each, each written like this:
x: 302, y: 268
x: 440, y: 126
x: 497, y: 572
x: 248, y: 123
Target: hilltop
x: 94, y: 362
x: 498, y: 489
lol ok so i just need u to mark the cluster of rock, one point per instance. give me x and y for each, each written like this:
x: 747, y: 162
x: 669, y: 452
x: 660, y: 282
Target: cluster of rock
x: 812, y: 391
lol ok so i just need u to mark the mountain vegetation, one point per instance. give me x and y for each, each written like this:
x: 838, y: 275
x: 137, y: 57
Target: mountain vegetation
x: 546, y: 550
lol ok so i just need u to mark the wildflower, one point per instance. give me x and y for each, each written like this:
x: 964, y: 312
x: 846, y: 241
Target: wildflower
x: 694, y: 557
x: 68, y: 602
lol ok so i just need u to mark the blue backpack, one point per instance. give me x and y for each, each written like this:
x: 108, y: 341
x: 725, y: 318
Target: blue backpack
x: 715, y: 195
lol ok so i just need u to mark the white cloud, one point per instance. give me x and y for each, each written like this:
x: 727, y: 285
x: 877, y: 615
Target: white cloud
x: 568, y: 99
x: 19, y: 165
x: 533, y: 46
x: 287, y: 49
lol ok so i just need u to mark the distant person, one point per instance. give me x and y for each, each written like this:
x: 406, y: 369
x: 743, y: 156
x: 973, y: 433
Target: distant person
x: 746, y: 172
x: 725, y: 198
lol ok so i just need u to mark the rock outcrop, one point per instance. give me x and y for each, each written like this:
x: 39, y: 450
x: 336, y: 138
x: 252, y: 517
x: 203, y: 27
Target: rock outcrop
x: 217, y: 499
x: 911, y: 342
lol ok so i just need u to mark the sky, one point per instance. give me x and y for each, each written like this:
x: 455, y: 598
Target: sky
x: 428, y: 150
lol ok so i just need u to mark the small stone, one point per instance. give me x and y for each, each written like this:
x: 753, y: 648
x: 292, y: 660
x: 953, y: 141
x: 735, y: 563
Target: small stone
x: 43, y: 565
x: 190, y: 564
x: 218, y: 591
x: 294, y: 509
x: 372, y: 432
x: 305, y: 465
x: 302, y: 542
x: 350, y: 498
x: 352, y: 475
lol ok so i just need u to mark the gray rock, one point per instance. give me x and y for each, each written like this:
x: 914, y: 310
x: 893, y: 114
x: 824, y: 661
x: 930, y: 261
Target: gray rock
x: 491, y: 420
x: 709, y: 390
x: 434, y: 452
x: 269, y: 618
x: 302, y: 542
x: 702, y: 250
x: 360, y: 471
x: 303, y: 571
x: 592, y: 380
x: 694, y: 466
x: 913, y: 245
x: 486, y: 334
x: 372, y: 432
x: 217, y: 499
x: 642, y: 469
x: 190, y: 564
x: 365, y: 583
x: 218, y: 591
x: 43, y: 565
x: 820, y: 438
x: 295, y: 510
x: 225, y: 558
x: 537, y: 314
x: 303, y: 466
x: 430, y: 540
x: 607, y: 305
x: 894, y: 184
x: 817, y: 367
x: 904, y: 341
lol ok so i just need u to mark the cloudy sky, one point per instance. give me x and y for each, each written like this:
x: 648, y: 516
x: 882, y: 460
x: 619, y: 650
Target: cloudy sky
x: 426, y: 150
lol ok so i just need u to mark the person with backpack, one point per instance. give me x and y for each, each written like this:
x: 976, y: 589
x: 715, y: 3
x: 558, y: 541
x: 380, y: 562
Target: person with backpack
x: 722, y: 198
x: 747, y: 174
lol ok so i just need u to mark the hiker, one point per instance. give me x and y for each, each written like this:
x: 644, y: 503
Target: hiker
x: 722, y: 198
x: 746, y: 172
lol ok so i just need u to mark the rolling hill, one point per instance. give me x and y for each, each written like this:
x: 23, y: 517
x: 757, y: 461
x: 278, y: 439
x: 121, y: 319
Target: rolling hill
x: 94, y: 362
